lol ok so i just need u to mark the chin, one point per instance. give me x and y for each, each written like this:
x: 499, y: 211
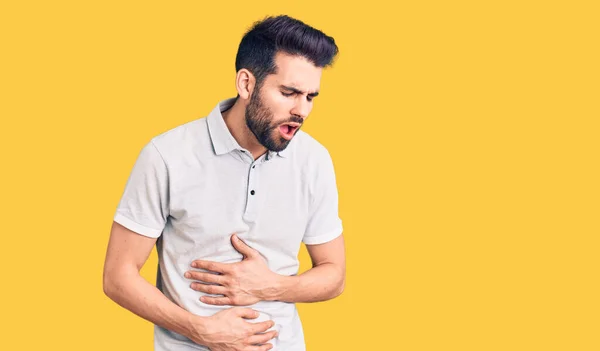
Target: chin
x: 278, y: 146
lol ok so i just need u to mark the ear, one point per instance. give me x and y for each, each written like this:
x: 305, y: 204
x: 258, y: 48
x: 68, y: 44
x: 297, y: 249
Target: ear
x: 244, y: 83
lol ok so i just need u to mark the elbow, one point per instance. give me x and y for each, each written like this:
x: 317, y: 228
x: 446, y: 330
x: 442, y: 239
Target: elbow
x: 115, y: 281
x: 340, y: 286
x: 108, y: 284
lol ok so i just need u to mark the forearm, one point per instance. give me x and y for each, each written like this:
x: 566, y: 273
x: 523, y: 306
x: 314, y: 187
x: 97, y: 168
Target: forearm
x: 134, y: 293
x: 320, y: 283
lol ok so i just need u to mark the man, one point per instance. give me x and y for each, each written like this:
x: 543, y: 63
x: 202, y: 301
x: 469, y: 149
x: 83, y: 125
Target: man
x: 228, y: 199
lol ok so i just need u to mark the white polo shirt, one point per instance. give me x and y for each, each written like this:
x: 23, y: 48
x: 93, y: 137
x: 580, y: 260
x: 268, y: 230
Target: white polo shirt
x: 193, y: 186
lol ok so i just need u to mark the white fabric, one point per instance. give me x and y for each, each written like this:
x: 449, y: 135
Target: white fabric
x: 191, y: 188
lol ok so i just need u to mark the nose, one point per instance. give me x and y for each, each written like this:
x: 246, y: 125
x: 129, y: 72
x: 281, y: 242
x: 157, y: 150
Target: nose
x: 302, y: 107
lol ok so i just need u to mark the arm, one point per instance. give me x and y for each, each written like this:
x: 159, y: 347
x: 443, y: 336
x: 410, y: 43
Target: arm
x: 326, y: 280
x: 139, y: 220
x: 251, y: 280
x: 126, y: 254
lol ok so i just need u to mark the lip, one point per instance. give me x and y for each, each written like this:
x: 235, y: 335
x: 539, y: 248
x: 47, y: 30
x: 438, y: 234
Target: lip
x: 288, y: 136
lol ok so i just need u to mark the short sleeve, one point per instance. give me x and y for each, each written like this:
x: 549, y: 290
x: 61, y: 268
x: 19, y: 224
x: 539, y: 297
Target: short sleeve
x: 324, y: 223
x: 144, y: 205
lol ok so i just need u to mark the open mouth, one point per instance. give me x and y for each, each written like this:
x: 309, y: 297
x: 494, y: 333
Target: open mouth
x: 288, y: 130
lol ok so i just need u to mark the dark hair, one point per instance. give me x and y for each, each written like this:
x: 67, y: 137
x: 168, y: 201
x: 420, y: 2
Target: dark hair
x: 282, y: 34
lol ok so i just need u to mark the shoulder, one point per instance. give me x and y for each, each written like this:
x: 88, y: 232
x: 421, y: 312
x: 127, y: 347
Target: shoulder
x: 308, y: 148
x: 182, y: 140
x: 311, y: 156
x: 181, y: 134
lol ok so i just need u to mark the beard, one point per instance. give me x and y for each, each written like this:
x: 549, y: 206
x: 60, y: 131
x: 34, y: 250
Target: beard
x: 259, y: 120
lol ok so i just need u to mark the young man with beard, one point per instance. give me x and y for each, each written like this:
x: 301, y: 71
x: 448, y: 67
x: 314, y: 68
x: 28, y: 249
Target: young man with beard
x: 228, y: 199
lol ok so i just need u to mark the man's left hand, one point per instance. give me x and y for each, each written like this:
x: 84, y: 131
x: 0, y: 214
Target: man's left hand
x: 242, y: 283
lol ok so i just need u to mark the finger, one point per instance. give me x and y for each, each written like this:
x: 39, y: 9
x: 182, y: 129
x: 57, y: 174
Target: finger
x: 261, y: 338
x: 211, y: 266
x: 247, y: 313
x: 242, y: 247
x: 209, y: 289
x: 206, y: 277
x: 219, y: 301
x: 261, y: 327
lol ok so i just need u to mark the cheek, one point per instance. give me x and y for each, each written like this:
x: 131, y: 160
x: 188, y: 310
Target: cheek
x: 281, y: 109
x: 272, y: 97
x: 279, y: 105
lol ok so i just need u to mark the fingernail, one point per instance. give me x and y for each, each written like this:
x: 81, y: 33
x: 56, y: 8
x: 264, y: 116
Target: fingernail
x: 187, y: 274
x: 194, y: 264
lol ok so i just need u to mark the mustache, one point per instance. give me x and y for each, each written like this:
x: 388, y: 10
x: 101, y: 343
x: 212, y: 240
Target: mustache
x: 298, y: 120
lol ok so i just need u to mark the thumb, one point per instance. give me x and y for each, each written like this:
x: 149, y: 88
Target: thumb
x: 242, y: 247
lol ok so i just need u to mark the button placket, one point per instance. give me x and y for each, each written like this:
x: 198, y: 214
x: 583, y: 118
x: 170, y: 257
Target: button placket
x: 255, y: 194
x: 249, y: 213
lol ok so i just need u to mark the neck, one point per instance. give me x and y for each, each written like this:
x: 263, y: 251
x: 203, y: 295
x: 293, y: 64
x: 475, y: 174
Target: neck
x: 235, y: 119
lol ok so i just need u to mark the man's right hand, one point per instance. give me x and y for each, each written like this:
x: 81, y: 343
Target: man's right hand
x: 228, y: 330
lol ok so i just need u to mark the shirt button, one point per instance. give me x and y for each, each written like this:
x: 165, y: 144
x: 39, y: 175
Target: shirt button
x: 253, y: 166
x: 252, y: 192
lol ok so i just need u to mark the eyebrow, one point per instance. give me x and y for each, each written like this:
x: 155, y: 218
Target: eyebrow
x: 298, y: 91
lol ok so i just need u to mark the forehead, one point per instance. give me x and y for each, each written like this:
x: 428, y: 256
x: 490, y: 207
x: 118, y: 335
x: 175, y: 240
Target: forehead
x: 297, y: 72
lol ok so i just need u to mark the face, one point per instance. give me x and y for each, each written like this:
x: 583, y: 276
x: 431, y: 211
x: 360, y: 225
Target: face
x: 277, y: 110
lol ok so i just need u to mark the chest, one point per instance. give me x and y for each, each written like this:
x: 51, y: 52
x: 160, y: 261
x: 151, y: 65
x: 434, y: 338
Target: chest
x: 265, y: 204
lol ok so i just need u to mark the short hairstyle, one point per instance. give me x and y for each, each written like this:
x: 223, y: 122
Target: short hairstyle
x: 266, y: 38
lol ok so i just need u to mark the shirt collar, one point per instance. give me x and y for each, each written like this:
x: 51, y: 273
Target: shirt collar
x: 222, y: 140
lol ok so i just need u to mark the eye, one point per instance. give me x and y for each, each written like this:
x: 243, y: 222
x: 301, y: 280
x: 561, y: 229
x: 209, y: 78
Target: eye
x: 286, y: 94
x: 309, y: 98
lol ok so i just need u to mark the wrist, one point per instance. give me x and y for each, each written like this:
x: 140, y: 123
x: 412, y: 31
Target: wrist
x: 196, y: 327
x: 277, y: 288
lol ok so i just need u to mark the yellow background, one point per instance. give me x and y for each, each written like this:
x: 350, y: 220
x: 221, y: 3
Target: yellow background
x: 464, y: 136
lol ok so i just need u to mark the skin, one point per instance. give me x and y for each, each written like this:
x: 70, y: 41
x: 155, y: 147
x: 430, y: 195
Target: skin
x: 270, y: 101
x: 249, y: 280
